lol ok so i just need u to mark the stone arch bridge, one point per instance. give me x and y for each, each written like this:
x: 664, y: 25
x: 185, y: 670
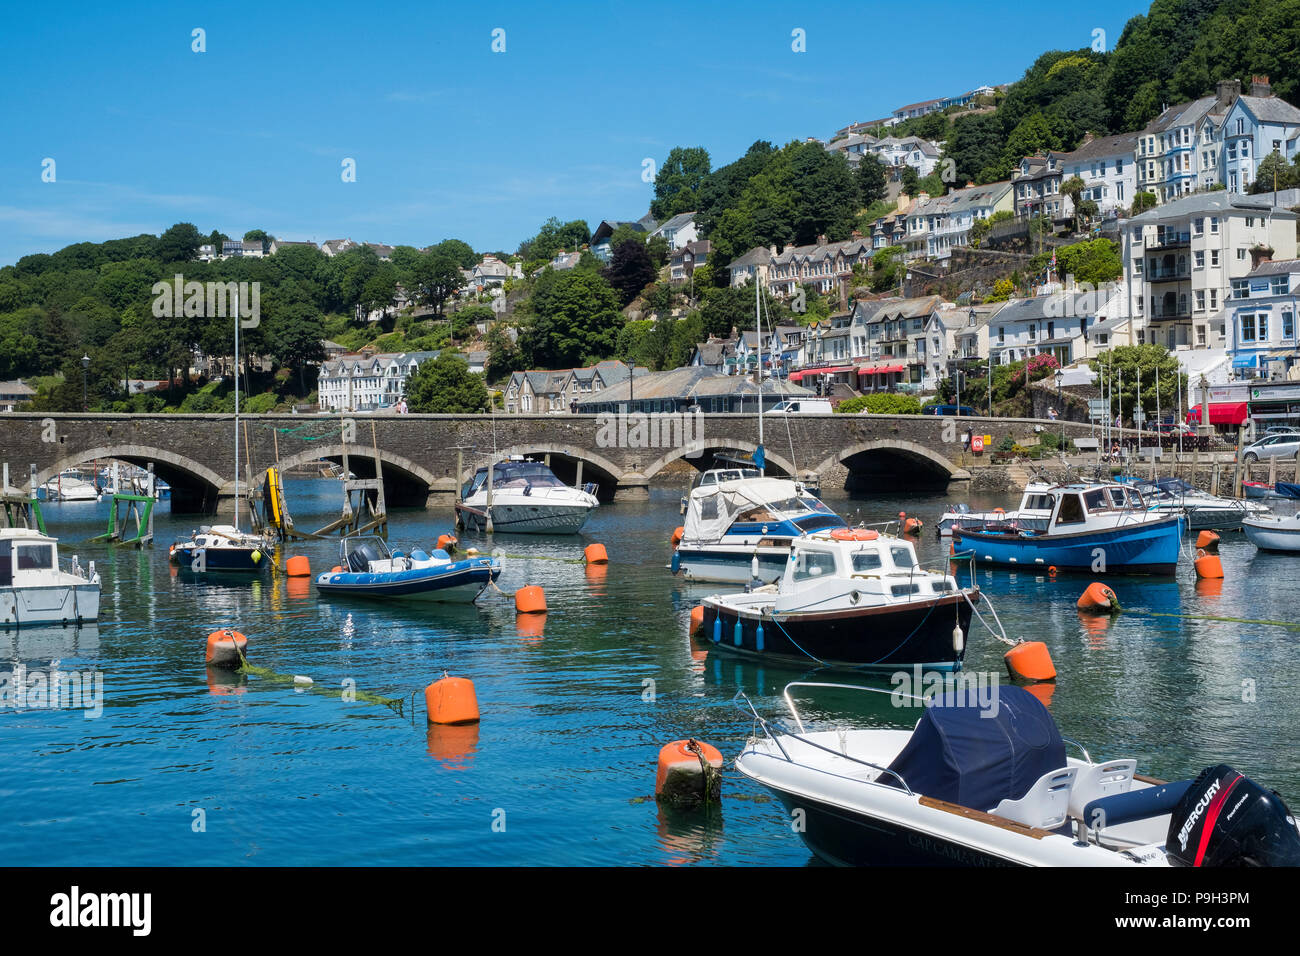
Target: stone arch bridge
x: 418, y: 454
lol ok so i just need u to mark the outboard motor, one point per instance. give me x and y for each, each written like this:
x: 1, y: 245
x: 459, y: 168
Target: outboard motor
x: 1226, y: 819
x: 359, y: 558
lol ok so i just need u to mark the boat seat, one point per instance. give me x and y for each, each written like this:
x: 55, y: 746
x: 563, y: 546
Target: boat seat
x: 1047, y: 803
x: 1135, y: 804
x: 1100, y: 780
x: 440, y: 555
x: 418, y: 555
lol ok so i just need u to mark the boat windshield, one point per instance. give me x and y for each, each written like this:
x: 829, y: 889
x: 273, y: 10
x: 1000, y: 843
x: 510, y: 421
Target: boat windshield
x: 813, y: 564
x: 902, y: 556
x: 794, y: 506
x: 514, y: 474
x: 717, y: 475
x: 867, y: 560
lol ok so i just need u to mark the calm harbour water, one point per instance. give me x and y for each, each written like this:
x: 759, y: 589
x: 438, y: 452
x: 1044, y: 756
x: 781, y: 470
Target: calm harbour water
x: 565, y: 755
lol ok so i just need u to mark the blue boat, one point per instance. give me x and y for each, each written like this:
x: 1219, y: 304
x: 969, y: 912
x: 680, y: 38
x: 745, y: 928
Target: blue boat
x: 371, y: 570
x: 222, y: 547
x: 1098, y: 528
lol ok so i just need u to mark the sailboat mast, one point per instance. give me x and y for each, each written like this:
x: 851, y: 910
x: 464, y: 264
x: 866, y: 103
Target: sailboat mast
x: 236, y: 411
x: 758, y: 327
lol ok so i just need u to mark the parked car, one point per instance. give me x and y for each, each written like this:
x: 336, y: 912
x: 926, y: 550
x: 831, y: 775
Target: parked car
x: 1272, y: 446
x: 948, y: 410
x: 1281, y: 430
x: 801, y: 406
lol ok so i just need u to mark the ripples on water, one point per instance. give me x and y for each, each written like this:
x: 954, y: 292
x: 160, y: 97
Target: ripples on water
x: 565, y: 754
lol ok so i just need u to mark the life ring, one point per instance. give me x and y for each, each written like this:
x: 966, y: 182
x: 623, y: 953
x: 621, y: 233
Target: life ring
x: 999, y: 511
x: 855, y: 534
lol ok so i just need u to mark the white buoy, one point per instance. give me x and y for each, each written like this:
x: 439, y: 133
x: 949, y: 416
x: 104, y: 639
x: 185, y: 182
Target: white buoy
x: 958, y: 639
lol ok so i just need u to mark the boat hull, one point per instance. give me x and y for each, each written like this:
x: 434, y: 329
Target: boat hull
x: 458, y: 583
x: 730, y: 564
x: 882, y: 638
x: 48, y: 604
x: 1270, y: 536
x: 526, y: 519
x: 1148, y: 547
x: 201, y: 560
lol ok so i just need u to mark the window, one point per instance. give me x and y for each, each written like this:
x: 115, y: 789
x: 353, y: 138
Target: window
x: 1198, y: 258
x: 901, y: 555
x: 1263, y: 326
x: 1071, y: 510
x: 866, y: 560
x: 1214, y: 258
x: 1288, y: 325
x: 1278, y: 285
x: 1200, y: 300
x: 812, y: 564
x: 1214, y: 225
x: 1241, y: 288
x: 1241, y: 255
x: 1214, y: 298
x: 1245, y: 147
x: 1247, y: 323
x: 35, y: 557
x: 1200, y: 336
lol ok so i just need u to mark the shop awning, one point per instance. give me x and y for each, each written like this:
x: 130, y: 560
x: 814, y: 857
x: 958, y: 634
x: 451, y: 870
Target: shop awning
x: 1244, y: 361
x: 1228, y: 413
x: 878, y: 369
x: 830, y: 370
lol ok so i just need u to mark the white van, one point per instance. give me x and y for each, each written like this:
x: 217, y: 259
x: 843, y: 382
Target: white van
x: 801, y: 406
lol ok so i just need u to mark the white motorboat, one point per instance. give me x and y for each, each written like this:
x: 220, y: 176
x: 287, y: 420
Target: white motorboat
x: 69, y: 486
x: 736, y: 517
x: 1273, y: 532
x: 1205, y: 512
x: 1032, y: 515
x: 524, y: 497
x: 984, y: 780
x: 850, y: 597
x: 34, y: 589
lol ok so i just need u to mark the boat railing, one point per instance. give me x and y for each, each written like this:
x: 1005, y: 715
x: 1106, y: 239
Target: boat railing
x: 775, y: 737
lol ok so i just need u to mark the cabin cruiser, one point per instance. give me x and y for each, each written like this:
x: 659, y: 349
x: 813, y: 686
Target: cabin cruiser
x: 222, y: 547
x: 1035, y: 508
x: 985, y: 780
x: 524, y: 497
x: 1204, y: 511
x: 34, y: 589
x: 736, y: 516
x: 370, y: 569
x: 851, y: 597
x: 1097, y: 527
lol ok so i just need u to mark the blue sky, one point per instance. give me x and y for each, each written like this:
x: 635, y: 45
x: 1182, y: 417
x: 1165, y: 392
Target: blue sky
x: 450, y: 139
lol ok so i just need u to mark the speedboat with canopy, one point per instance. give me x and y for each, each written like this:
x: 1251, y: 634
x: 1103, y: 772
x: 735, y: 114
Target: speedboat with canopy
x: 371, y: 570
x: 1097, y: 527
x: 985, y: 780
x: 524, y: 497
x: 740, y: 525
x: 848, y: 597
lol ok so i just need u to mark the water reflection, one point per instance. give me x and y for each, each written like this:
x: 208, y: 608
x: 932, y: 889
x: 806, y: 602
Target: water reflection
x: 688, y: 836
x: 50, y: 643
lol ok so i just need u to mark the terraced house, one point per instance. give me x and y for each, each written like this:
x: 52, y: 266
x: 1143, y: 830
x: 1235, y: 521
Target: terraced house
x: 935, y: 226
x: 1108, y: 169
x: 823, y: 265
x: 367, y: 381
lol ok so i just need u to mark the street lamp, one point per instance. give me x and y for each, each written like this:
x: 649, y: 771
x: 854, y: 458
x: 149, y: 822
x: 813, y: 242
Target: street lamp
x: 85, y: 372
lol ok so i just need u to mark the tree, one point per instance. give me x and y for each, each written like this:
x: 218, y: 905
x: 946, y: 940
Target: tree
x: 1275, y: 173
x: 554, y: 236
x: 435, y: 278
x: 733, y: 308
x: 630, y: 269
x: 910, y: 181
x: 1118, y: 372
x: 1143, y: 201
x: 293, y: 334
x: 180, y: 243
x: 1071, y: 188
x: 678, y: 180
x: 887, y: 269
x: 575, y: 317
x: 504, y: 356
x: 445, y: 386
x: 870, y: 177
x: 460, y: 252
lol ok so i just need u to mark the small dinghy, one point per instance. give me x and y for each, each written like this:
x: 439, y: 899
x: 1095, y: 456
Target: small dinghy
x: 986, y: 782
x: 1274, y: 532
x: 371, y: 570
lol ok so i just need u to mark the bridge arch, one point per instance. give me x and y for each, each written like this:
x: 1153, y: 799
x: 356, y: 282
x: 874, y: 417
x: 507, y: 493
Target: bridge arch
x: 703, y: 450
x: 195, y: 487
x: 406, y: 484
x: 893, y: 464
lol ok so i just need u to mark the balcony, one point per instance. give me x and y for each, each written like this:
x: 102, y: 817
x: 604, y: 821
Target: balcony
x: 1167, y: 273
x: 1170, y: 240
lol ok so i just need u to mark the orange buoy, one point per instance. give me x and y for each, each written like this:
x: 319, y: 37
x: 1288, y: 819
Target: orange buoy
x: 337, y: 569
x: 912, y: 526
x: 595, y: 554
x: 451, y: 700
x: 1208, y: 541
x: 686, y: 780
x: 1030, y: 661
x: 1051, y: 571
x: 678, y: 532
x: 226, y: 648
x: 530, y: 600
x: 447, y: 543
x: 697, y: 618
x: 1098, y: 599
x: 999, y: 511
x: 1208, y: 565
x: 298, y: 566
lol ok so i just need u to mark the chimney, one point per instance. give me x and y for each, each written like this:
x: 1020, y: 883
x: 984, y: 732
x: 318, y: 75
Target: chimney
x: 821, y: 239
x: 1226, y: 91
x: 1087, y: 138
x: 772, y: 249
x: 1259, y: 86
x: 922, y: 196
x: 1260, y: 254
x: 855, y: 234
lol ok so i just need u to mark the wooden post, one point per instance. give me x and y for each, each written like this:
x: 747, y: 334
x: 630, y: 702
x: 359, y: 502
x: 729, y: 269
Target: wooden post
x: 153, y: 495
x: 1236, y: 480
x: 380, y: 502
x: 1272, y: 472
x: 577, y: 482
x: 1214, y: 479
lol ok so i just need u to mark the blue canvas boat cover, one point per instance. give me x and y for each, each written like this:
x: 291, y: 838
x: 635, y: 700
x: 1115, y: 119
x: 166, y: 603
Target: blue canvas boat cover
x: 1287, y: 489
x: 978, y: 756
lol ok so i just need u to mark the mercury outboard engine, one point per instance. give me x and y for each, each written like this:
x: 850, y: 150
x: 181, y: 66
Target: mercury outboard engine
x: 1226, y: 819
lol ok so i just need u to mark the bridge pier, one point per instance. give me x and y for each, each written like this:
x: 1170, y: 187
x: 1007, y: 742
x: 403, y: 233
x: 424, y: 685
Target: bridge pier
x: 632, y: 486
